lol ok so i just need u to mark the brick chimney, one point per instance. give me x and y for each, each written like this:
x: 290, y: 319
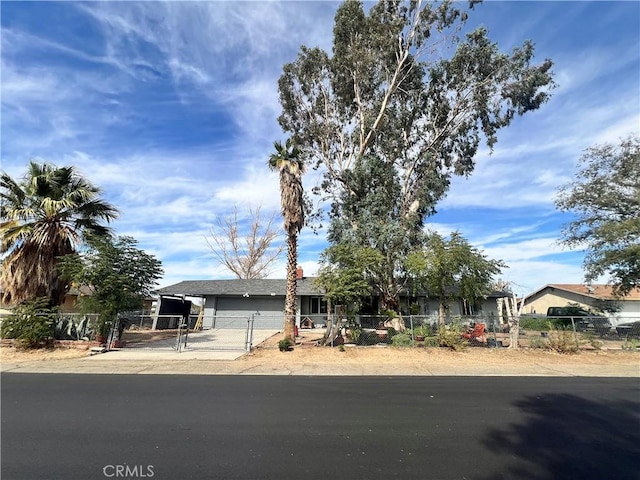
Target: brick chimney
x: 299, y: 273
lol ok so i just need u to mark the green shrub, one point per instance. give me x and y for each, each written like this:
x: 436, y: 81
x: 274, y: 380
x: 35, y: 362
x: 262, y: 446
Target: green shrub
x: 355, y: 332
x: 423, y: 330
x: 563, y: 341
x: 431, y: 342
x: 31, y: 323
x: 389, y: 313
x: 630, y: 344
x: 592, y: 340
x: 285, y: 345
x: 401, y: 340
x: 450, y: 336
x: 544, y: 324
x: 369, y: 338
x: 391, y: 332
x: 535, y: 323
x: 538, y: 342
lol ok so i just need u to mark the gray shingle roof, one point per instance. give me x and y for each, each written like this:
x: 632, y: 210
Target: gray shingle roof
x: 265, y: 286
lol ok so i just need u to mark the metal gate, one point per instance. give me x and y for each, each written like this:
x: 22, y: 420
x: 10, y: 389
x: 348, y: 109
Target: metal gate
x: 228, y: 333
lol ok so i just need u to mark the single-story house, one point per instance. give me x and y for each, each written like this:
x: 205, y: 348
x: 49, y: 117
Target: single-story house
x: 587, y: 297
x: 487, y: 307
x: 232, y: 301
x: 69, y: 303
x: 227, y: 302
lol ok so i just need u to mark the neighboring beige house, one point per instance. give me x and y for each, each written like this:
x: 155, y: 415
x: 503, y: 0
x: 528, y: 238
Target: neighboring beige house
x: 70, y: 302
x: 69, y: 305
x: 563, y: 294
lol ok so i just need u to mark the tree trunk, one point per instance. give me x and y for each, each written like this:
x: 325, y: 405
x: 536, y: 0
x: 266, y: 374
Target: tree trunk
x: 333, y: 323
x: 514, y: 330
x: 441, y: 312
x: 513, y: 312
x: 290, y: 299
x: 389, y: 301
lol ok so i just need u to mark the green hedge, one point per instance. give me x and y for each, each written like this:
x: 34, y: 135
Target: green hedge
x: 535, y: 323
x: 543, y: 323
x: 31, y: 323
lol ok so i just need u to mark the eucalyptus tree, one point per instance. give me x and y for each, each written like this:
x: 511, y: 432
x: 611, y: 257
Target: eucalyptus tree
x: 401, y: 104
x: 287, y: 161
x: 605, y: 199
x: 43, y: 217
x: 345, y: 278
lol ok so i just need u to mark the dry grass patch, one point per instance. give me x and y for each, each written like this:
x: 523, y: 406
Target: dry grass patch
x: 267, y: 353
x: 13, y: 355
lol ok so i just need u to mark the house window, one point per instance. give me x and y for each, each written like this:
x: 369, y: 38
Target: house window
x: 318, y: 305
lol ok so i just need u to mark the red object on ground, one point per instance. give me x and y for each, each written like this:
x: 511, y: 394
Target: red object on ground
x: 477, y: 333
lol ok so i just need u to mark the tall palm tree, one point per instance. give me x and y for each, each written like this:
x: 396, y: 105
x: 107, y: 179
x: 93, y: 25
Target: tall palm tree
x: 286, y: 159
x: 43, y: 217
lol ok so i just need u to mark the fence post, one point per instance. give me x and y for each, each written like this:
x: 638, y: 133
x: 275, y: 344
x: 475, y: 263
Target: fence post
x: 179, y: 339
x: 186, y: 333
x: 251, y: 333
x: 248, y: 337
x: 246, y: 333
x: 575, y: 334
x: 413, y: 337
x: 495, y: 337
x: 110, y: 336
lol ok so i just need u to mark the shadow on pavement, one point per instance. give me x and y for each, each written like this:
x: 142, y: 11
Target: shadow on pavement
x: 569, y: 437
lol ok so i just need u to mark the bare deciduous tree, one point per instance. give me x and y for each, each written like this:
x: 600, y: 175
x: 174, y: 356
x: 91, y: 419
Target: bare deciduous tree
x: 247, y: 250
x: 514, y: 311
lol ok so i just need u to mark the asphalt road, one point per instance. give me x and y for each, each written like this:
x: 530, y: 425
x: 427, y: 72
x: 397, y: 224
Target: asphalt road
x: 268, y: 427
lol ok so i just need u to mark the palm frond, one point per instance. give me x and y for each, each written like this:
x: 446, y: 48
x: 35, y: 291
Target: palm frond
x: 44, y: 217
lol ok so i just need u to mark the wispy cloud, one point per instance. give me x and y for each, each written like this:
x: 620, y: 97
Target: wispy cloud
x: 171, y: 107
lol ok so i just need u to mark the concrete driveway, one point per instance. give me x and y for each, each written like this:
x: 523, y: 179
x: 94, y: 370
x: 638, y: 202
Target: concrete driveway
x: 214, y: 344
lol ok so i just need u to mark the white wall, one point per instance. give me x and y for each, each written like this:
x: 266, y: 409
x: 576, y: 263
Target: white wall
x: 630, y: 312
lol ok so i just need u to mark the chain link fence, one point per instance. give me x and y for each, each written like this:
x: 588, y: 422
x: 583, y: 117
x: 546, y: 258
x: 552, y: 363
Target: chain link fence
x: 222, y: 332
x: 563, y: 334
x: 140, y: 320
x: 228, y: 333
x: 566, y: 334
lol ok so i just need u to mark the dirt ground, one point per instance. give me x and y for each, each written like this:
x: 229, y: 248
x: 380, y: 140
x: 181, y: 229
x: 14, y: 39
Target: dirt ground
x: 12, y: 354
x: 306, y: 353
x: 132, y: 337
x: 417, y: 357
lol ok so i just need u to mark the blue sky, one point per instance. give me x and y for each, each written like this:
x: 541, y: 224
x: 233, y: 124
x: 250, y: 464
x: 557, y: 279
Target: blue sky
x: 171, y: 108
